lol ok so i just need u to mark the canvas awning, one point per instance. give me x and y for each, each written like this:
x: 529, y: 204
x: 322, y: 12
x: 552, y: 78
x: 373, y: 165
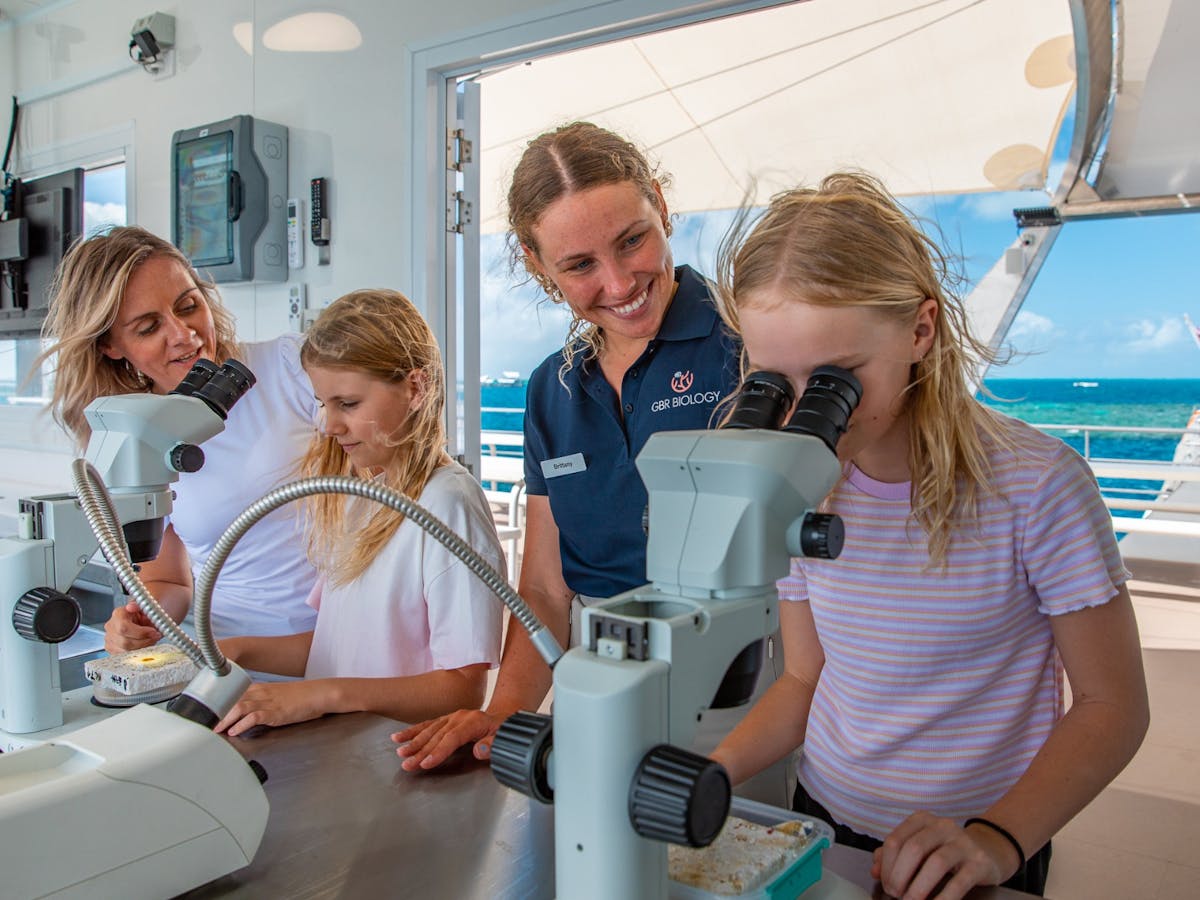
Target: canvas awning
x: 934, y: 96
x: 1136, y: 125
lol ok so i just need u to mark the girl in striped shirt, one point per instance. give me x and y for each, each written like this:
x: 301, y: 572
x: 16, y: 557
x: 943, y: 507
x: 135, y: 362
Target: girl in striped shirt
x: 924, y: 666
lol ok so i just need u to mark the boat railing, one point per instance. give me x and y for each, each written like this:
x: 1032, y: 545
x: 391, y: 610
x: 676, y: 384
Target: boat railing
x: 1130, y: 486
x: 1147, y: 487
x: 1086, y: 432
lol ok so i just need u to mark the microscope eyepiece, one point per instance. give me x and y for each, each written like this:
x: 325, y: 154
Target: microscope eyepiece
x: 762, y: 402
x: 225, y: 387
x: 198, y: 376
x: 826, y: 404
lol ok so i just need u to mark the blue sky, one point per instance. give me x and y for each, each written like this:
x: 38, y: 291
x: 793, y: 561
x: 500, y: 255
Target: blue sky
x: 104, y: 198
x: 1108, y: 303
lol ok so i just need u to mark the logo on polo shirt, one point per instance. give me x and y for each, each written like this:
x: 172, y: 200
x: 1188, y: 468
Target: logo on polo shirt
x: 681, y: 381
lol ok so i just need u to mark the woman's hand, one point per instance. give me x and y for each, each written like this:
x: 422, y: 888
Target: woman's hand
x: 275, y: 703
x: 929, y: 857
x: 128, y: 628
x: 428, y: 744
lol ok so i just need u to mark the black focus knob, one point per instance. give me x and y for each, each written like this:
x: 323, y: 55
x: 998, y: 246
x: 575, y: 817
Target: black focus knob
x: 520, y: 754
x: 679, y: 797
x: 822, y: 535
x: 46, y: 615
x: 186, y: 458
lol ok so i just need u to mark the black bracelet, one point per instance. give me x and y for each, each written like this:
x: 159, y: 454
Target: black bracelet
x: 1003, y: 832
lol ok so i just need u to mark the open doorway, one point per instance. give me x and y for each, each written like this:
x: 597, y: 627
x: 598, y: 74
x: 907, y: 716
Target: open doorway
x: 737, y: 101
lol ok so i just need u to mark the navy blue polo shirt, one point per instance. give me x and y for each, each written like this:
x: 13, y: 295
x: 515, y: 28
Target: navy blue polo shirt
x: 580, y: 449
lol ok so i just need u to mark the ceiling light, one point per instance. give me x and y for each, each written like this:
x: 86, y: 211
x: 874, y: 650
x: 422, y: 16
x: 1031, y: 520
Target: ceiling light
x: 243, y: 33
x: 315, y: 32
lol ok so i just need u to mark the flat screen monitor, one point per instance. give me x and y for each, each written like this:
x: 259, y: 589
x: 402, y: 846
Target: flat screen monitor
x: 53, y: 209
x: 203, y: 168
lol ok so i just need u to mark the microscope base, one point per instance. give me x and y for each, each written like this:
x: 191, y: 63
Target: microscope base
x: 78, y: 712
x: 144, y: 804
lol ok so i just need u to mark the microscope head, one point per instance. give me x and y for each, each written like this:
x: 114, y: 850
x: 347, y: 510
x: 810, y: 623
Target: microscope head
x: 142, y: 442
x: 730, y: 507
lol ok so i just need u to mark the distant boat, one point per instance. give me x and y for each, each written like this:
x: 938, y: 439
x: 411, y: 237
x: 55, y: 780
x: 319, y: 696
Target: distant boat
x: 486, y: 379
x: 508, y: 378
x: 1085, y: 384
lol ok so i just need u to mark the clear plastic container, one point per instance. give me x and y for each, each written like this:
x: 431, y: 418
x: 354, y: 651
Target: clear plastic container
x: 792, y: 881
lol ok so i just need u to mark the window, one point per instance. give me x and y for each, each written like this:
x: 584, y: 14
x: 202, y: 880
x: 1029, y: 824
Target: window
x: 103, y: 207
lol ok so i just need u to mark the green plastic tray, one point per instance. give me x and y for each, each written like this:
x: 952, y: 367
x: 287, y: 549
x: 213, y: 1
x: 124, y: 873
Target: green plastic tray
x: 789, y: 884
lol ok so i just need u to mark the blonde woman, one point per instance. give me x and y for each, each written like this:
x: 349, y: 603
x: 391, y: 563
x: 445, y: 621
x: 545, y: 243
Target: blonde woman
x: 128, y: 314
x: 924, y: 666
x: 403, y: 628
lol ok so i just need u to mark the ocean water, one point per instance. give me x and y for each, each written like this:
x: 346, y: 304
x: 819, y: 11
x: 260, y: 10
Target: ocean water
x: 1081, y: 404
x: 503, y: 406
x: 1125, y: 402
x: 1147, y: 403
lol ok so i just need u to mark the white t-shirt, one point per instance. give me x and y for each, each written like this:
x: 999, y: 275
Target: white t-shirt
x: 417, y: 607
x: 267, y: 578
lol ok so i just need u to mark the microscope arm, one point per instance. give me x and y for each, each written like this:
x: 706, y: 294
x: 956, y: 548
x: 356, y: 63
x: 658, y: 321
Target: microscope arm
x: 777, y: 722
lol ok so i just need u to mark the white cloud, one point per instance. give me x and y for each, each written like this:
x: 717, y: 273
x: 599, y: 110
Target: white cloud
x: 1031, y: 325
x: 98, y: 215
x: 518, y: 326
x: 1146, y: 335
x: 999, y: 206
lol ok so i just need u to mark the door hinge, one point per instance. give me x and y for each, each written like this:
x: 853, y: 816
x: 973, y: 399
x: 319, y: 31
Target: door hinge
x: 458, y: 149
x: 458, y: 213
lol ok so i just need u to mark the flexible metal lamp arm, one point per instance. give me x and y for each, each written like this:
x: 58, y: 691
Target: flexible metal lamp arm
x: 541, y: 636
x: 97, y: 507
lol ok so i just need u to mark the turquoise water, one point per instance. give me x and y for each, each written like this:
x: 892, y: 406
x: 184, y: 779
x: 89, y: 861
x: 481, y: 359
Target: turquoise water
x: 1148, y: 403
x: 1144, y: 403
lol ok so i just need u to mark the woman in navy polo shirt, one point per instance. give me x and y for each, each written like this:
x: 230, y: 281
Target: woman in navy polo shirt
x: 645, y: 352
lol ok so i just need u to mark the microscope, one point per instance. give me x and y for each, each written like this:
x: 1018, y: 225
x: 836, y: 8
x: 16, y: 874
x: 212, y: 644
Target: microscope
x: 727, y: 510
x: 139, y: 445
x: 145, y: 802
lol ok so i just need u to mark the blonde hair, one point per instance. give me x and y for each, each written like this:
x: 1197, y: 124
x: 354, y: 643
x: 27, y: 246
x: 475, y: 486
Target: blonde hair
x: 572, y: 158
x: 85, y: 299
x: 381, y: 334
x: 848, y: 242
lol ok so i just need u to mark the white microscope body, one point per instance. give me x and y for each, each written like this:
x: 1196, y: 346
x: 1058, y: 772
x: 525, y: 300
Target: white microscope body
x: 145, y: 803
x: 134, y: 438
x: 727, y: 511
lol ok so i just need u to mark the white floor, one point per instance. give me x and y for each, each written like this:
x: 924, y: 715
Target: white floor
x: 1141, y: 837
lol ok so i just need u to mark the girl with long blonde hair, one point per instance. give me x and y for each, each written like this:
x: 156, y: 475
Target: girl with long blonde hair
x: 403, y: 628
x: 924, y: 666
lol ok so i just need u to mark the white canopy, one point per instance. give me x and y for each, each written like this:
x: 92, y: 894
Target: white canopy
x: 934, y: 96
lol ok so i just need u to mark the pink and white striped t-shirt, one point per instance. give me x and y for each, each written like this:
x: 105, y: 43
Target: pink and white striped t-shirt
x: 939, y: 686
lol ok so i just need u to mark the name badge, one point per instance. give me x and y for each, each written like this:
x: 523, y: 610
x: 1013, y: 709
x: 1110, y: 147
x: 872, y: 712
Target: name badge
x: 563, y: 465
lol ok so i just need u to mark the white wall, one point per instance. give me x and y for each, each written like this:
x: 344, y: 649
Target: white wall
x: 344, y: 111
x: 350, y: 117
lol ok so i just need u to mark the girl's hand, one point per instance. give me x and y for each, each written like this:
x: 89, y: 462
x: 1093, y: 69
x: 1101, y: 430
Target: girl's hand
x: 428, y: 744
x: 129, y: 629
x: 930, y: 857
x: 275, y: 703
